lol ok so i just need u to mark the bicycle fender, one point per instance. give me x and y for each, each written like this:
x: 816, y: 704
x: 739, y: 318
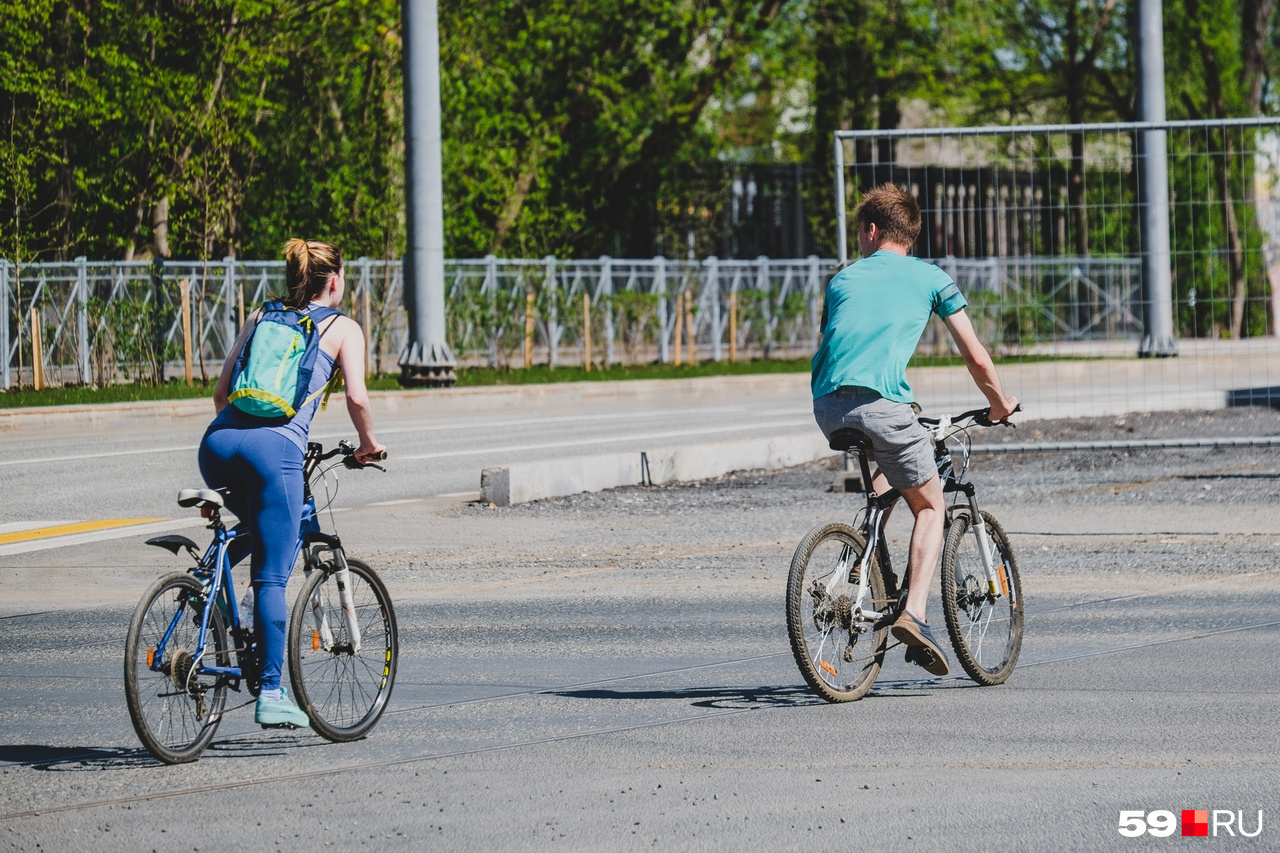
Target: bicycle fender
x: 174, y: 544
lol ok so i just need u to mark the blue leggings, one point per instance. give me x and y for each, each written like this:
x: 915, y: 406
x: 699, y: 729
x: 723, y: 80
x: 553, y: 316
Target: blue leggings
x: 263, y: 470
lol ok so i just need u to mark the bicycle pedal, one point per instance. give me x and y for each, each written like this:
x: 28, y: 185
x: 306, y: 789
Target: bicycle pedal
x: 919, y: 655
x: 288, y: 726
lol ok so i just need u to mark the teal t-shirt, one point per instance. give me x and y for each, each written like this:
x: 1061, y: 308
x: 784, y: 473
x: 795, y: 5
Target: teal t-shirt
x: 872, y: 318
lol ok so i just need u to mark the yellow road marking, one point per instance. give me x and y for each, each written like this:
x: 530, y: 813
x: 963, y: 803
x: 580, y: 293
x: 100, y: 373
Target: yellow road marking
x: 66, y: 529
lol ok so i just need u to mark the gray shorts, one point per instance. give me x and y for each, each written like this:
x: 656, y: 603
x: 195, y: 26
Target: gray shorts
x: 899, y: 445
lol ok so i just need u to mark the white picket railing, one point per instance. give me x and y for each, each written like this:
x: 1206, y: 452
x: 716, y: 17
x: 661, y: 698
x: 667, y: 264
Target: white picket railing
x: 100, y: 322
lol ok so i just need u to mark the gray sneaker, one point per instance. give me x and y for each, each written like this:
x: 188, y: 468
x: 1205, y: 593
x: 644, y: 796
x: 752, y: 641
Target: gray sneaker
x: 284, y: 713
x: 922, y: 648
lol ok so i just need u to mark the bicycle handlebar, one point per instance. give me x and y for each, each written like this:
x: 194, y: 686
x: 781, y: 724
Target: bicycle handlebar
x: 982, y: 417
x: 346, y: 450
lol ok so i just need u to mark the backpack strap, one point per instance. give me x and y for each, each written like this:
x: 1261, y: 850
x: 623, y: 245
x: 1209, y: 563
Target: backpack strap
x: 335, y: 382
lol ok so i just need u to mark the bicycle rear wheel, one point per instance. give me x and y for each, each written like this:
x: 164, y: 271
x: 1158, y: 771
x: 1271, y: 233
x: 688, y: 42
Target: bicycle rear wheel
x: 175, y: 710
x: 342, y: 690
x: 985, y: 627
x: 838, y: 658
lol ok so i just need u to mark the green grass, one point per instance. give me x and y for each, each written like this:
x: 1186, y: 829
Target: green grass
x: 467, y: 377
x: 18, y: 398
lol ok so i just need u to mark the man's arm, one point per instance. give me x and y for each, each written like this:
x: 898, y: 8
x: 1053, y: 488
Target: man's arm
x: 981, y: 367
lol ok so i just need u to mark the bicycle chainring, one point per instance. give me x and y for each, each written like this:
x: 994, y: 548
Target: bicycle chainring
x: 247, y: 660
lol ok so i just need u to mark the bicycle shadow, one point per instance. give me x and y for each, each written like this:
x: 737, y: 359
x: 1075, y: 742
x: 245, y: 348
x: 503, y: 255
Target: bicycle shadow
x: 81, y: 758
x: 45, y: 757
x: 723, y: 698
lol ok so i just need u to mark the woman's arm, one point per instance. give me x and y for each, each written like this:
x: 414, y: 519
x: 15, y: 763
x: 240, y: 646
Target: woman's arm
x: 351, y: 360
x: 223, y: 389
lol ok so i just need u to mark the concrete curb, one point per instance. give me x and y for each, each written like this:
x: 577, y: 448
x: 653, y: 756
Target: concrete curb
x: 531, y: 481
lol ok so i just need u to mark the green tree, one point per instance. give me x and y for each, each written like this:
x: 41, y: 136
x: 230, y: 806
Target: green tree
x: 564, y: 116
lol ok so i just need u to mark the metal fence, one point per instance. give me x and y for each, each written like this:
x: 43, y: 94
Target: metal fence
x: 1043, y: 227
x: 1063, y: 197
x: 99, y: 322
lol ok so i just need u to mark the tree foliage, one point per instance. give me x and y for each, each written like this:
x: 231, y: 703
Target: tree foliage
x: 201, y: 128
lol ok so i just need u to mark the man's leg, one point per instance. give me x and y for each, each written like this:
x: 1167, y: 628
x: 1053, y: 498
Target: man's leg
x: 928, y: 507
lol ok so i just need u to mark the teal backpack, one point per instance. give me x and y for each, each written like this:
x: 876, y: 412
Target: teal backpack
x: 272, y: 373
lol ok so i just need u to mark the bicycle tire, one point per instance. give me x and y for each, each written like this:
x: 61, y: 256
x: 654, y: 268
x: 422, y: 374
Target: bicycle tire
x: 166, y: 718
x: 986, y: 630
x: 344, y: 693
x: 839, y: 663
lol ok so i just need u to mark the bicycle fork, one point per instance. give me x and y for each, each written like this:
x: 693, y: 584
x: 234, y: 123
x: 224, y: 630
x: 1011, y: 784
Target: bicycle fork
x: 997, y: 586
x: 319, y: 612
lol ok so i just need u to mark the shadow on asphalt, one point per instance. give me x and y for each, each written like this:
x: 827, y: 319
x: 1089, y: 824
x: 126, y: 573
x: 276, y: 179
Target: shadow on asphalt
x: 709, y: 697
x: 42, y: 757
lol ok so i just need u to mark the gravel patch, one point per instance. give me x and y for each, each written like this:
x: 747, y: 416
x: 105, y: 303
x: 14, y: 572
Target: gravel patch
x: 767, y: 512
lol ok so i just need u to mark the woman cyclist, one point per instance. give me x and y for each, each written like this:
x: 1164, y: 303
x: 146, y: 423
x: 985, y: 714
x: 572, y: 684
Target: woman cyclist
x: 262, y: 465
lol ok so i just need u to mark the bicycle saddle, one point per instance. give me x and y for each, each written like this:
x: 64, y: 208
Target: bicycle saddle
x: 848, y: 438
x: 200, y: 498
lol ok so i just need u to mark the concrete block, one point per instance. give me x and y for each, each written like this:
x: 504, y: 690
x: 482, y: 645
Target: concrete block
x: 531, y: 481
x: 702, y: 461
x: 559, y: 477
x: 847, y: 481
x: 495, y: 486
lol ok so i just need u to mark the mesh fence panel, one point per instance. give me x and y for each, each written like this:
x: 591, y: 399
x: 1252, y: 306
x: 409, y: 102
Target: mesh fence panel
x: 1042, y: 229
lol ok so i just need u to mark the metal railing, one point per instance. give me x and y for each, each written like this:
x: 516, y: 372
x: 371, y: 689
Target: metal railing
x: 99, y: 322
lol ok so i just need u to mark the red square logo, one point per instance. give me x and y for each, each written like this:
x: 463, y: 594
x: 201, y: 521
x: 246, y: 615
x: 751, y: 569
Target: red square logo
x: 1195, y: 822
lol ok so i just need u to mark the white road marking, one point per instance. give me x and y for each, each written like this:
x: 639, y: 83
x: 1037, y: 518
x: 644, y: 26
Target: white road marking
x: 580, y: 442
x: 468, y: 425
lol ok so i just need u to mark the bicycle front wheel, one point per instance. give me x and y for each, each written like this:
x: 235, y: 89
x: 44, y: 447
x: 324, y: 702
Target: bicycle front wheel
x: 985, y: 624
x: 342, y: 689
x: 838, y: 656
x: 174, y: 708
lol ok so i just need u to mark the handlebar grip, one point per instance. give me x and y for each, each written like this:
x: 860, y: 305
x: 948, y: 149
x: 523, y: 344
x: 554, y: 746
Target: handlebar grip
x: 983, y: 418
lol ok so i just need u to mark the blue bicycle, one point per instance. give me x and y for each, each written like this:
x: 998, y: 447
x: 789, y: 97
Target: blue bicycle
x: 189, y: 642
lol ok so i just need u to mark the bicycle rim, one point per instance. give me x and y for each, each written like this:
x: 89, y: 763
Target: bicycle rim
x: 343, y: 691
x: 174, y: 709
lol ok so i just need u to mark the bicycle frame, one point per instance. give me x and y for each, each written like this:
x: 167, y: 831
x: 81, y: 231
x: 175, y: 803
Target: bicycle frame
x: 213, y: 570
x: 878, y: 507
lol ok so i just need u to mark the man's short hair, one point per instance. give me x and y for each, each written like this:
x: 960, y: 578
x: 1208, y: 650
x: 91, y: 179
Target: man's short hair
x: 894, y: 211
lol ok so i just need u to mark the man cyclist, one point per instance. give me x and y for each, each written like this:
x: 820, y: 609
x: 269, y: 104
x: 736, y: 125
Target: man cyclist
x: 873, y: 315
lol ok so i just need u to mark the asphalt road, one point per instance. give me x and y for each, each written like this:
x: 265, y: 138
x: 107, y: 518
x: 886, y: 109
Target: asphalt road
x: 611, y: 671
x: 65, y: 469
